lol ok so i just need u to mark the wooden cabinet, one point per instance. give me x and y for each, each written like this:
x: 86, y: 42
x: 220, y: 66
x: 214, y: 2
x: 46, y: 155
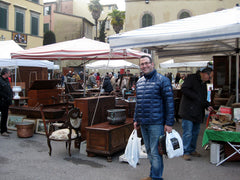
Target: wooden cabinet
x: 88, y: 105
x: 221, y: 72
x: 105, y: 139
x: 42, y: 91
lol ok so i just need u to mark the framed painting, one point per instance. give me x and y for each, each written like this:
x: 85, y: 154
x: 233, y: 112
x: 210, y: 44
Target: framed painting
x: 34, y: 121
x: 40, y: 127
x: 13, y: 120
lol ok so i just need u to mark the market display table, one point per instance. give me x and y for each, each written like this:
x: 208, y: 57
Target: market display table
x: 106, y: 139
x: 224, y: 136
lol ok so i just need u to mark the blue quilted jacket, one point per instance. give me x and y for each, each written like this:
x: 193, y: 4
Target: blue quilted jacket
x: 155, y: 104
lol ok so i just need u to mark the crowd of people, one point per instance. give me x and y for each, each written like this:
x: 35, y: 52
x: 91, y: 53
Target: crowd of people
x: 177, y: 81
x: 109, y: 82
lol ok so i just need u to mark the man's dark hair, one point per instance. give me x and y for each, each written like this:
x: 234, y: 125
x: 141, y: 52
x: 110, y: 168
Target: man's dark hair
x: 144, y: 56
x: 207, y: 70
x: 4, y: 71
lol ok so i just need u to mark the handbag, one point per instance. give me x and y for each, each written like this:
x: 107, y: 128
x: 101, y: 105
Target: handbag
x: 162, y: 145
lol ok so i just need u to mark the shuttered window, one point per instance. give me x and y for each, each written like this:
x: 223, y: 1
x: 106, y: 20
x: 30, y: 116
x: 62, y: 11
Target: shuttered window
x: 3, y: 18
x: 34, y: 24
x: 19, y: 19
x: 147, y: 20
x: 46, y: 27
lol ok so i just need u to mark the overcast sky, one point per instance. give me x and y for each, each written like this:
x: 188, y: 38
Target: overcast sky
x: 120, y: 3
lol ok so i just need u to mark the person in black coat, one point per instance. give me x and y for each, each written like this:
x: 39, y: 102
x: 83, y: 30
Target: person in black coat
x: 107, y: 86
x: 6, y: 95
x: 192, y: 109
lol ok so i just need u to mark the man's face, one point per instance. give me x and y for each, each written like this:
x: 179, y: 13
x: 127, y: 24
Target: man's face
x: 207, y: 77
x: 146, y: 66
x: 6, y: 75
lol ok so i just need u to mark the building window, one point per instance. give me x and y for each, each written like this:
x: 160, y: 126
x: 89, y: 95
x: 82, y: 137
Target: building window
x: 47, y: 10
x: 109, y: 7
x: 3, y: 16
x: 19, y: 21
x: 184, y: 14
x: 147, y: 20
x: 35, y: 1
x: 34, y: 23
x: 107, y: 25
x: 46, y: 27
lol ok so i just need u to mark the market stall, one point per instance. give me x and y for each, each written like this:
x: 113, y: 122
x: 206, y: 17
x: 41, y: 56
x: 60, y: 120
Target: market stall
x: 215, y: 33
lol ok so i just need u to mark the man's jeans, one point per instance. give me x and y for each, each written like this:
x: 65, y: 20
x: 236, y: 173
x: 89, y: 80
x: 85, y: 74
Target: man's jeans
x: 190, y: 135
x: 151, y: 134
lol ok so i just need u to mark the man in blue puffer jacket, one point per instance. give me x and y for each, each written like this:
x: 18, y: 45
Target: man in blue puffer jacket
x: 154, y: 112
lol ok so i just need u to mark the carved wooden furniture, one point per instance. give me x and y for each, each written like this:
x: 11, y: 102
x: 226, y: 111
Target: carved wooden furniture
x: 106, y: 139
x: 68, y: 127
x: 72, y: 87
x: 51, y: 110
x: 42, y: 91
x: 87, y: 106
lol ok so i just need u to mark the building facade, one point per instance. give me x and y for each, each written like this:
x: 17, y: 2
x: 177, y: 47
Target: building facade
x: 107, y: 8
x: 143, y: 13
x: 59, y: 17
x: 22, y: 21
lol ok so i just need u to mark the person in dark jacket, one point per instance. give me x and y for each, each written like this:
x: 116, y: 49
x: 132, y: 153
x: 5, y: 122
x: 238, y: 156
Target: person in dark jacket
x: 5, y: 99
x: 154, y: 112
x: 107, y: 86
x: 192, y: 109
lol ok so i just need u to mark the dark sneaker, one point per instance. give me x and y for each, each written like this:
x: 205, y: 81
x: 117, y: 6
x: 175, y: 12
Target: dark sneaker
x: 195, y: 154
x: 5, y: 134
x: 187, y: 157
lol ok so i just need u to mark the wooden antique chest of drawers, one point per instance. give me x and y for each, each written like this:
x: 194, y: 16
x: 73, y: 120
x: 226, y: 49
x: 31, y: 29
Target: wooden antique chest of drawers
x: 106, y: 139
x: 87, y: 107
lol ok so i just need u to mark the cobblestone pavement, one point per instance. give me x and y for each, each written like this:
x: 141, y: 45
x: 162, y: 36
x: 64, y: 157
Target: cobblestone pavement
x: 28, y: 159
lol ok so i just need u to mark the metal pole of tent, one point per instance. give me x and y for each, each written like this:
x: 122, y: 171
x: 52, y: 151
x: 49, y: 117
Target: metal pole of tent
x: 237, y: 70
x: 15, y: 72
x: 230, y: 73
x: 84, y: 79
x: 237, y: 77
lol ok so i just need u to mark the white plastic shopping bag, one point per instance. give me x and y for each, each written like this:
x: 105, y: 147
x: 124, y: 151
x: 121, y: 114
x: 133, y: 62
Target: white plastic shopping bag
x: 131, y: 153
x: 174, y: 144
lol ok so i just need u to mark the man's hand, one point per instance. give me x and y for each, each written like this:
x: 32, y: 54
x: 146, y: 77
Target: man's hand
x: 136, y: 126
x: 210, y: 108
x: 167, y: 128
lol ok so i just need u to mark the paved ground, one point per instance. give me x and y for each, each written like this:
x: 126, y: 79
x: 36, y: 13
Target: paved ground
x: 28, y: 159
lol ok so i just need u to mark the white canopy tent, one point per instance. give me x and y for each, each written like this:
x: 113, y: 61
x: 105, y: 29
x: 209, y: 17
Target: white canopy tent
x: 204, y: 34
x: 26, y: 63
x: 112, y: 64
x: 9, y: 46
x: 184, y: 64
x: 212, y: 33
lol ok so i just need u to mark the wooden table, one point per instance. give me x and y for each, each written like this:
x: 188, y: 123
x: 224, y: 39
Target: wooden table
x: 106, y: 139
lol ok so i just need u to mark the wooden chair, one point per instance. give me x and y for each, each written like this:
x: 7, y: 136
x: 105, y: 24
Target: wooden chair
x: 66, y: 128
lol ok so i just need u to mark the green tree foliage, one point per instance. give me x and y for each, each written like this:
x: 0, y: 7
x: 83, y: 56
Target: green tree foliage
x: 117, y: 20
x: 102, y: 34
x: 96, y: 9
x: 49, y: 38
